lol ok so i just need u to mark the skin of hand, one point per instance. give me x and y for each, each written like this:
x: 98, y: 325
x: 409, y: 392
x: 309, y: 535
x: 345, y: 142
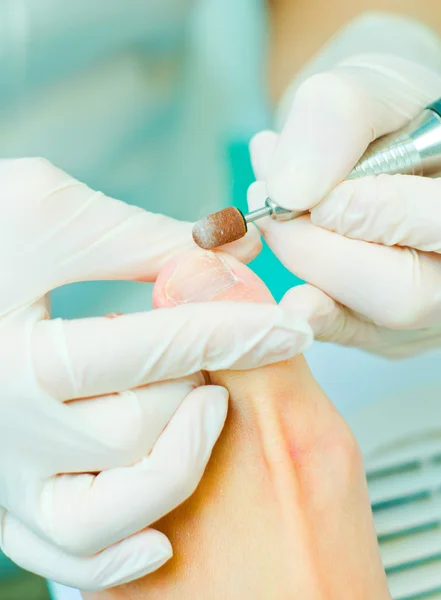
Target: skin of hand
x: 106, y: 424
x: 282, y: 510
x: 370, y: 247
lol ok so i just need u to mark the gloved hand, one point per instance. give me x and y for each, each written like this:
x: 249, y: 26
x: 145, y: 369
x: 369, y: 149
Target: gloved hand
x: 383, y: 297
x: 102, y: 429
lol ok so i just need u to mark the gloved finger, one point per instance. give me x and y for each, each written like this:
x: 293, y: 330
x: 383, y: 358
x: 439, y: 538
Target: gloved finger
x: 334, y: 117
x: 329, y: 261
x: 329, y: 320
x: 332, y: 322
x: 83, y: 514
x: 262, y: 147
x: 247, y: 248
x: 122, y: 427
x: 391, y: 210
x: 90, y: 357
x: 125, y: 561
x: 86, y: 235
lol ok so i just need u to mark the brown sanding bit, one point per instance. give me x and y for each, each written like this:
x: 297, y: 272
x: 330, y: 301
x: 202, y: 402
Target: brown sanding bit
x: 230, y: 224
x: 220, y: 228
x: 413, y: 150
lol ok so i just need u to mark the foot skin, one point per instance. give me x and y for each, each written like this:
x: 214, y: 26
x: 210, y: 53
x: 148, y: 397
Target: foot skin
x: 282, y: 511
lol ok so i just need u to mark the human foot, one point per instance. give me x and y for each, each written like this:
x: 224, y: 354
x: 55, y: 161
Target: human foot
x: 282, y: 511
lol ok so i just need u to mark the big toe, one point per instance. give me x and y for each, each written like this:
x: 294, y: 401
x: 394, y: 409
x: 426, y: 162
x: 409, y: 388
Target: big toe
x: 203, y: 276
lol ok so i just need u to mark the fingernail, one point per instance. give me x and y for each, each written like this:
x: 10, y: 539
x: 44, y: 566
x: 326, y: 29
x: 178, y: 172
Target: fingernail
x: 216, y: 409
x: 256, y: 195
x: 215, y: 413
x: 163, y: 553
x: 200, y: 279
x: 157, y: 556
x: 295, y: 333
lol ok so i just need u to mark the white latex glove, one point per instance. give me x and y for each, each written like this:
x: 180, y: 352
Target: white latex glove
x: 384, y: 297
x: 98, y: 436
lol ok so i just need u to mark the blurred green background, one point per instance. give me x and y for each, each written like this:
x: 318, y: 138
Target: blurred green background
x: 16, y: 584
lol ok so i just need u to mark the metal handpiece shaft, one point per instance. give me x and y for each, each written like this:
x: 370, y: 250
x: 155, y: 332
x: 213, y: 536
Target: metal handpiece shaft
x: 265, y: 211
x: 414, y: 150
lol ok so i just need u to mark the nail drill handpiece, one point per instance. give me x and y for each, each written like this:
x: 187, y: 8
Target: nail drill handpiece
x: 414, y: 150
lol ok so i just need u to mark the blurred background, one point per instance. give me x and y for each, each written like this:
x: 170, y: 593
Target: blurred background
x: 20, y: 585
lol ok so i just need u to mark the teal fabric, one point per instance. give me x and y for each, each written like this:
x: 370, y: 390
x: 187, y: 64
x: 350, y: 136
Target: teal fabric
x: 278, y: 279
